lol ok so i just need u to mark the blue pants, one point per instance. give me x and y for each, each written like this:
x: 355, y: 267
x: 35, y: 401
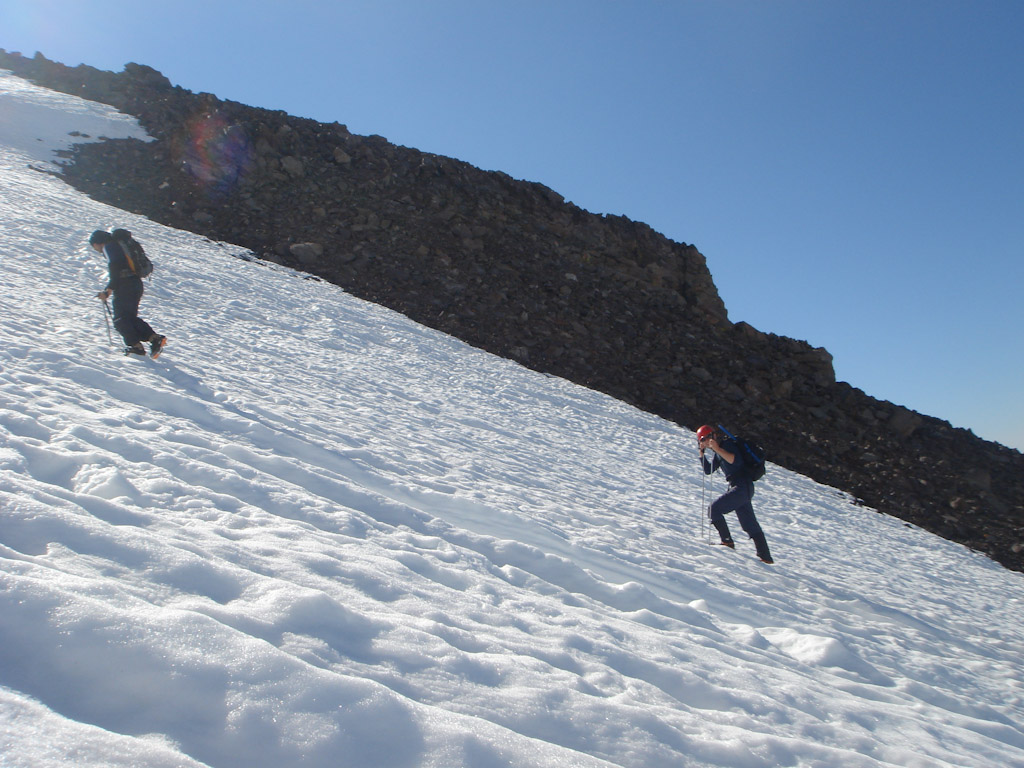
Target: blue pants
x: 737, y: 499
x: 125, y: 308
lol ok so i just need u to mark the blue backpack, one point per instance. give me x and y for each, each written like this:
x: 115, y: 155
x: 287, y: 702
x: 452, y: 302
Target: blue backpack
x: 753, y: 454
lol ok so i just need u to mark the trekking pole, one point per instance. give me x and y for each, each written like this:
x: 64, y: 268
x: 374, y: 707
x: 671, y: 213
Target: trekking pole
x: 711, y: 495
x: 703, y: 482
x: 107, y: 314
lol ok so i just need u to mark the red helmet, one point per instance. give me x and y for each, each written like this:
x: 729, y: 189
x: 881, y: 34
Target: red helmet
x: 706, y: 431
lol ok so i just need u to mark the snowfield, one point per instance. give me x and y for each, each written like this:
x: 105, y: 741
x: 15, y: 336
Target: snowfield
x: 316, y: 534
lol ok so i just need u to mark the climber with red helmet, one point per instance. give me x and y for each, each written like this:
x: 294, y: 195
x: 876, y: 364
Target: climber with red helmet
x: 741, y: 490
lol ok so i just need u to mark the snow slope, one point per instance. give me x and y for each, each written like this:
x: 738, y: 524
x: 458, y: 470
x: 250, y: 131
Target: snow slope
x: 316, y: 534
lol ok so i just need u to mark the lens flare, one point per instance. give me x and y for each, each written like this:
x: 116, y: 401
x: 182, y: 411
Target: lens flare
x: 218, y: 154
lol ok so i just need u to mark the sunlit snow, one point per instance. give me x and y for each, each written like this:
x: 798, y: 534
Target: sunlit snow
x: 316, y: 534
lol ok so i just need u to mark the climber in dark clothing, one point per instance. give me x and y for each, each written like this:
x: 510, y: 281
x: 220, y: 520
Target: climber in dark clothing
x: 126, y: 288
x: 737, y: 498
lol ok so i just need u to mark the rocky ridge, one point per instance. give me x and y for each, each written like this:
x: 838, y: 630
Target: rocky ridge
x: 511, y: 267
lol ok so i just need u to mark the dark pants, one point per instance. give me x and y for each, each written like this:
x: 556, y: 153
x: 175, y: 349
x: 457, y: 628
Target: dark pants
x: 737, y: 499
x: 125, y: 306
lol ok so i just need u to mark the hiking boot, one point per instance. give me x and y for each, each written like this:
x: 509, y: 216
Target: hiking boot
x: 156, y: 345
x: 135, y: 349
x: 761, y: 547
x: 728, y: 543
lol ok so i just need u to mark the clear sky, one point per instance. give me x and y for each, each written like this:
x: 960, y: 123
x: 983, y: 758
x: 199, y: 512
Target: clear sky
x: 853, y: 171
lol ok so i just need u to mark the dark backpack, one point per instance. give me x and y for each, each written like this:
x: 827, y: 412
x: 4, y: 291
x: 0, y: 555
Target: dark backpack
x: 138, y: 261
x: 753, y: 454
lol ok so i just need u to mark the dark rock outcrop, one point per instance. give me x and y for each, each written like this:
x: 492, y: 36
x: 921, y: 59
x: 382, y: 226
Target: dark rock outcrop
x: 509, y: 266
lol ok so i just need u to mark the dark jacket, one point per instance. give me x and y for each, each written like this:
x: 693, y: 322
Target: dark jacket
x: 735, y: 472
x: 121, y: 274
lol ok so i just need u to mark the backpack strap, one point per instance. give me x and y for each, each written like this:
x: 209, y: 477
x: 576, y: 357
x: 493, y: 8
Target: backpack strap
x: 128, y: 256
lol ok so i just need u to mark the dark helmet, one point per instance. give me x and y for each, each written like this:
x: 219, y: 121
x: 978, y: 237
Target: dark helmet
x: 706, y: 431
x: 99, y: 236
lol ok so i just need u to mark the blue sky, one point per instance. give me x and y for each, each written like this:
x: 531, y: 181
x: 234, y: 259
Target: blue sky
x: 853, y: 171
